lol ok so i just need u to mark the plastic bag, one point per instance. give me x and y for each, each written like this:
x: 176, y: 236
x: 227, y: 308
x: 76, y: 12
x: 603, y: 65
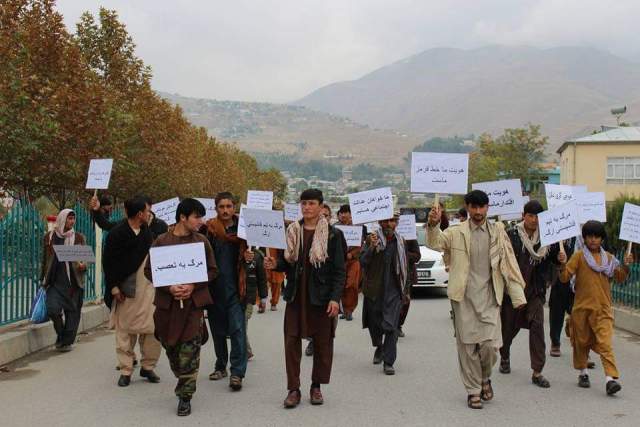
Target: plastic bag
x: 39, y: 307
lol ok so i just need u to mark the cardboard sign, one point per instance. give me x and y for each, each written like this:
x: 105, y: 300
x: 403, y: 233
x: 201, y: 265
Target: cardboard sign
x: 371, y: 205
x: 505, y: 197
x: 265, y: 228
x: 591, y: 206
x: 444, y: 173
x: 74, y: 253
x: 260, y: 199
x: 99, y: 174
x: 292, y: 212
x: 407, y: 227
x: 178, y: 264
x: 630, y: 225
x: 558, y: 224
x: 210, y: 207
x: 352, y: 234
x: 166, y: 210
x: 558, y: 195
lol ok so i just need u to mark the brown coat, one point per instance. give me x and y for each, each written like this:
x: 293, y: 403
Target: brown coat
x: 48, y: 257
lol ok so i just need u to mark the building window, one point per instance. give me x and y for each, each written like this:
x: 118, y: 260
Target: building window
x: 623, y: 170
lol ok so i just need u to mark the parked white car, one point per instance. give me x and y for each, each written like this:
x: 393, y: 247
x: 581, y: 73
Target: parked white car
x: 432, y: 272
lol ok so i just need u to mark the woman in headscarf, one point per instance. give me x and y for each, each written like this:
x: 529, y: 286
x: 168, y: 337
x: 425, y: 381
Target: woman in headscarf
x: 64, y: 281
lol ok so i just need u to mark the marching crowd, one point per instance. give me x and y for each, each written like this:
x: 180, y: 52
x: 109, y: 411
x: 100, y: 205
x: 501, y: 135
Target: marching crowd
x: 498, y: 281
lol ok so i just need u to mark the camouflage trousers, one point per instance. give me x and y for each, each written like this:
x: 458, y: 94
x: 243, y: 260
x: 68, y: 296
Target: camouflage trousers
x: 184, y: 359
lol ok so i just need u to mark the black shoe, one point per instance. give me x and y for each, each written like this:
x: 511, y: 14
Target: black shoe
x: 540, y: 381
x: 400, y: 332
x: 150, y: 375
x: 184, y: 408
x: 583, y: 381
x: 124, y: 380
x: 343, y: 316
x: 377, y: 356
x: 309, y: 350
x: 135, y: 362
x: 505, y: 366
x: 388, y: 369
x: 613, y: 387
x: 349, y: 317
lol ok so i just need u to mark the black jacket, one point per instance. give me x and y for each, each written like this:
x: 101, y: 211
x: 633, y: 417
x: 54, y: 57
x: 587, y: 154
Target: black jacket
x: 542, y: 272
x: 157, y: 226
x: 256, y: 278
x: 326, y: 283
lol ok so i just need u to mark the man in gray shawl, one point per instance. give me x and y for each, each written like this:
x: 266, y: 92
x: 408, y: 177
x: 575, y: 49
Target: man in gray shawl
x: 384, y: 263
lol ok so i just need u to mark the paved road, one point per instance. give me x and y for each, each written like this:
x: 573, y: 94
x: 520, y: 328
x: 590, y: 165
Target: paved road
x: 78, y: 388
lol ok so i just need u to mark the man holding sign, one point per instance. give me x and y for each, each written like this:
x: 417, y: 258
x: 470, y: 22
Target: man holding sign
x: 314, y: 263
x: 179, y: 315
x: 352, y: 283
x: 64, y: 281
x: 482, y: 268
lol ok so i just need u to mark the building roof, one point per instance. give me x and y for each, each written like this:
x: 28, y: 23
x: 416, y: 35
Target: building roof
x: 623, y: 134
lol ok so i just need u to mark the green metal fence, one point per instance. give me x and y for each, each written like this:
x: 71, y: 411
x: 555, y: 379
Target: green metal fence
x: 21, y: 235
x: 628, y: 293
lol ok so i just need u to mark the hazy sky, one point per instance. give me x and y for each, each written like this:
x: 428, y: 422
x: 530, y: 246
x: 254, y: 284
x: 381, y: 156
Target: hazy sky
x: 267, y: 50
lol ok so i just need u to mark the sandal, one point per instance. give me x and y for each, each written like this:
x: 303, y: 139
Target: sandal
x: 487, y: 391
x: 474, y: 401
x: 218, y: 375
x: 540, y: 381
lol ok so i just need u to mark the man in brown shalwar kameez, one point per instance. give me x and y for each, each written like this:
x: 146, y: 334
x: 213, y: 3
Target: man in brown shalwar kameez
x: 314, y: 263
x: 179, y: 315
x: 481, y: 267
x: 353, y: 269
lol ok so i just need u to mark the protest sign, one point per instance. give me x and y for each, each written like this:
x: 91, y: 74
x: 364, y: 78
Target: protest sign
x: 292, y: 212
x: 178, y: 264
x: 352, y: 234
x: 265, y: 228
x: 371, y: 205
x: 260, y: 199
x: 443, y: 173
x: 558, y: 195
x: 407, y: 227
x: 99, y: 174
x: 560, y: 223
x: 166, y: 210
x: 505, y: 197
x: 74, y: 253
x: 630, y: 225
x: 591, y: 206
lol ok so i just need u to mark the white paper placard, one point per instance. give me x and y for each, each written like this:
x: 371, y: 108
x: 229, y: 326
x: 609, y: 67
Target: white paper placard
x: 242, y: 231
x: 178, y: 264
x: 352, y: 234
x: 630, y: 225
x: 292, y: 212
x: 505, y: 197
x: 74, y: 253
x: 99, y: 174
x: 558, y: 195
x: 260, y: 199
x: 557, y: 224
x: 372, y: 227
x: 591, y: 206
x: 210, y: 208
x: 166, y: 210
x: 407, y: 227
x: 579, y: 189
x: 511, y: 217
x: 371, y: 205
x: 445, y: 173
x: 265, y: 228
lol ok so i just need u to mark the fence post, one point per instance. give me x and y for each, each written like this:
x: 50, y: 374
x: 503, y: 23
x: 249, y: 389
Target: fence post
x: 98, y: 265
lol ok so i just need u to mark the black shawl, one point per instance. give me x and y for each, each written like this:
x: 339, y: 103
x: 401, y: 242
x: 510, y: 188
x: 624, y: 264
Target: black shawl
x: 123, y: 255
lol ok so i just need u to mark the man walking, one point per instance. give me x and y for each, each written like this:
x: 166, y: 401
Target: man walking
x: 129, y: 294
x: 353, y: 268
x: 481, y: 266
x: 314, y: 263
x: 384, y: 260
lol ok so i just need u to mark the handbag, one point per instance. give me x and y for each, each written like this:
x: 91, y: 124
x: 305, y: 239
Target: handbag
x: 39, y: 307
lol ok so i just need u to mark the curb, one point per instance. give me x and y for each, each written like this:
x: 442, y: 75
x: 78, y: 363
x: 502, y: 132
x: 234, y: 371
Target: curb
x: 627, y: 319
x: 27, y: 339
